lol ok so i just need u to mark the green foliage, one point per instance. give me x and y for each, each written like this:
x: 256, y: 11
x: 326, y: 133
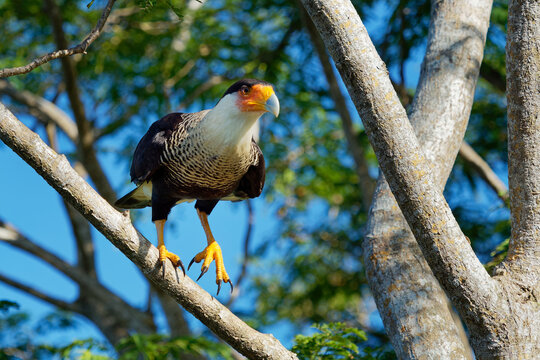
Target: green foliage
x: 20, y: 338
x: 161, y: 347
x: 498, y: 255
x: 6, y: 305
x: 336, y: 341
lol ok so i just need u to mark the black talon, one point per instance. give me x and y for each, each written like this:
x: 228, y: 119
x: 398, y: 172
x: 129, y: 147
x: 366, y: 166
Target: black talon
x: 191, y: 262
x: 163, y: 269
x: 179, y: 263
x: 232, y: 287
x: 218, y: 287
x: 203, y: 271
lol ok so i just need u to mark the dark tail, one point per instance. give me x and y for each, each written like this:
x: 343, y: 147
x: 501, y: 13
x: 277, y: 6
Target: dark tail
x: 136, y: 199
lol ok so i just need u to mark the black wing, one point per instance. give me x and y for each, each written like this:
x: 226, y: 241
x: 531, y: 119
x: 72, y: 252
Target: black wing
x: 147, y: 156
x: 252, y: 183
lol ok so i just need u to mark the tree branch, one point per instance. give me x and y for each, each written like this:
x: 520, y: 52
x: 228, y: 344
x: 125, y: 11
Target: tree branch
x: 493, y: 77
x: 208, y: 84
x: 77, y: 49
x: 246, y: 257
x: 87, y: 284
x: 408, y: 172
x: 356, y: 150
x: 13, y: 237
x: 523, y: 97
x: 79, y: 225
x: 86, y: 131
x: 484, y: 170
x: 55, y: 169
x: 47, y: 110
x: 64, y: 305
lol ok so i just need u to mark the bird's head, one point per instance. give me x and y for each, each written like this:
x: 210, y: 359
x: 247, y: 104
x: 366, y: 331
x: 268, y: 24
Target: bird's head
x: 251, y: 97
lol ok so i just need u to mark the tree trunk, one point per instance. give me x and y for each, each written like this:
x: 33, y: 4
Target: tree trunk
x: 397, y: 272
x: 502, y: 313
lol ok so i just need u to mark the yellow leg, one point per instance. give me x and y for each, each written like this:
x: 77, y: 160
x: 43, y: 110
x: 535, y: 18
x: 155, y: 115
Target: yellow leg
x: 211, y: 252
x: 164, y: 254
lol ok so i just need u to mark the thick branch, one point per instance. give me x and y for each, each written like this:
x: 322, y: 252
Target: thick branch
x: 78, y: 49
x: 55, y: 169
x: 79, y: 225
x: 408, y: 172
x: 64, y: 305
x: 484, y: 170
x: 523, y: 96
x: 133, y: 317
x: 355, y: 148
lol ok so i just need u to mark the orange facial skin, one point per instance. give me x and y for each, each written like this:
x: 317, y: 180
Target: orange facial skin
x: 254, y: 98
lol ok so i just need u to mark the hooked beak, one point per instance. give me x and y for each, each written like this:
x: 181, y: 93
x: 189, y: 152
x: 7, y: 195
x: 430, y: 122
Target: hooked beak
x: 272, y: 105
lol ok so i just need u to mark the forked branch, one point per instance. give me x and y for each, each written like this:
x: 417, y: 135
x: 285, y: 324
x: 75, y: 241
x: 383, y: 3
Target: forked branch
x: 402, y: 160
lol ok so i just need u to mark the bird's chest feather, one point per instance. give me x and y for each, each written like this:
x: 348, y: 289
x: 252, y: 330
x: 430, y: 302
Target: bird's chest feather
x: 197, y: 167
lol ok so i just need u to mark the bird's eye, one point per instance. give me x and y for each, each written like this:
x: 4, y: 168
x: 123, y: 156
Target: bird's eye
x: 244, y: 90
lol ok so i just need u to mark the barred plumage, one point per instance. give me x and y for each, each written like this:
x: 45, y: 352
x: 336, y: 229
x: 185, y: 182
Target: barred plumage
x: 205, y: 156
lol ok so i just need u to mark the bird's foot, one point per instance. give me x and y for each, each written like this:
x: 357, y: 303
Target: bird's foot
x: 213, y: 252
x: 164, y: 254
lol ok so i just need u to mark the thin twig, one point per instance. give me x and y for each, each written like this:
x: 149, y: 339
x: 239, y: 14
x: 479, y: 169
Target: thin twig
x: 205, y: 86
x: 40, y: 295
x: 77, y: 49
x: 484, y: 170
x: 247, y: 239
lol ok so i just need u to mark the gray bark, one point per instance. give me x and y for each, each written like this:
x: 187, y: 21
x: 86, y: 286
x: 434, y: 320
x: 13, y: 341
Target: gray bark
x: 397, y: 272
x: 502, y: 315
x: 523, y: 79
x: 382, y: 114
x: 116, y: 227
x: 520, y: 271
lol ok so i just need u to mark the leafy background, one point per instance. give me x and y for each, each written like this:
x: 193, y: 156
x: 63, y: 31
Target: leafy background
x: 305, y: 263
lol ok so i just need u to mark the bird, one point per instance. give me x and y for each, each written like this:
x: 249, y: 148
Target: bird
x: 206, y: 157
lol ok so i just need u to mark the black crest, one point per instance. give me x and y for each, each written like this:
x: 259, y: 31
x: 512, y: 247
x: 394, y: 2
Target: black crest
x: 247, y: 82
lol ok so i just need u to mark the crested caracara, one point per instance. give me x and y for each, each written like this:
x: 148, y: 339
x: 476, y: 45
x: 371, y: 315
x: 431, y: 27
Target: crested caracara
x: 205, y: 156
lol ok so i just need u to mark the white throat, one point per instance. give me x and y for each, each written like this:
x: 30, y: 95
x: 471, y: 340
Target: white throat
x: 226, y: 126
